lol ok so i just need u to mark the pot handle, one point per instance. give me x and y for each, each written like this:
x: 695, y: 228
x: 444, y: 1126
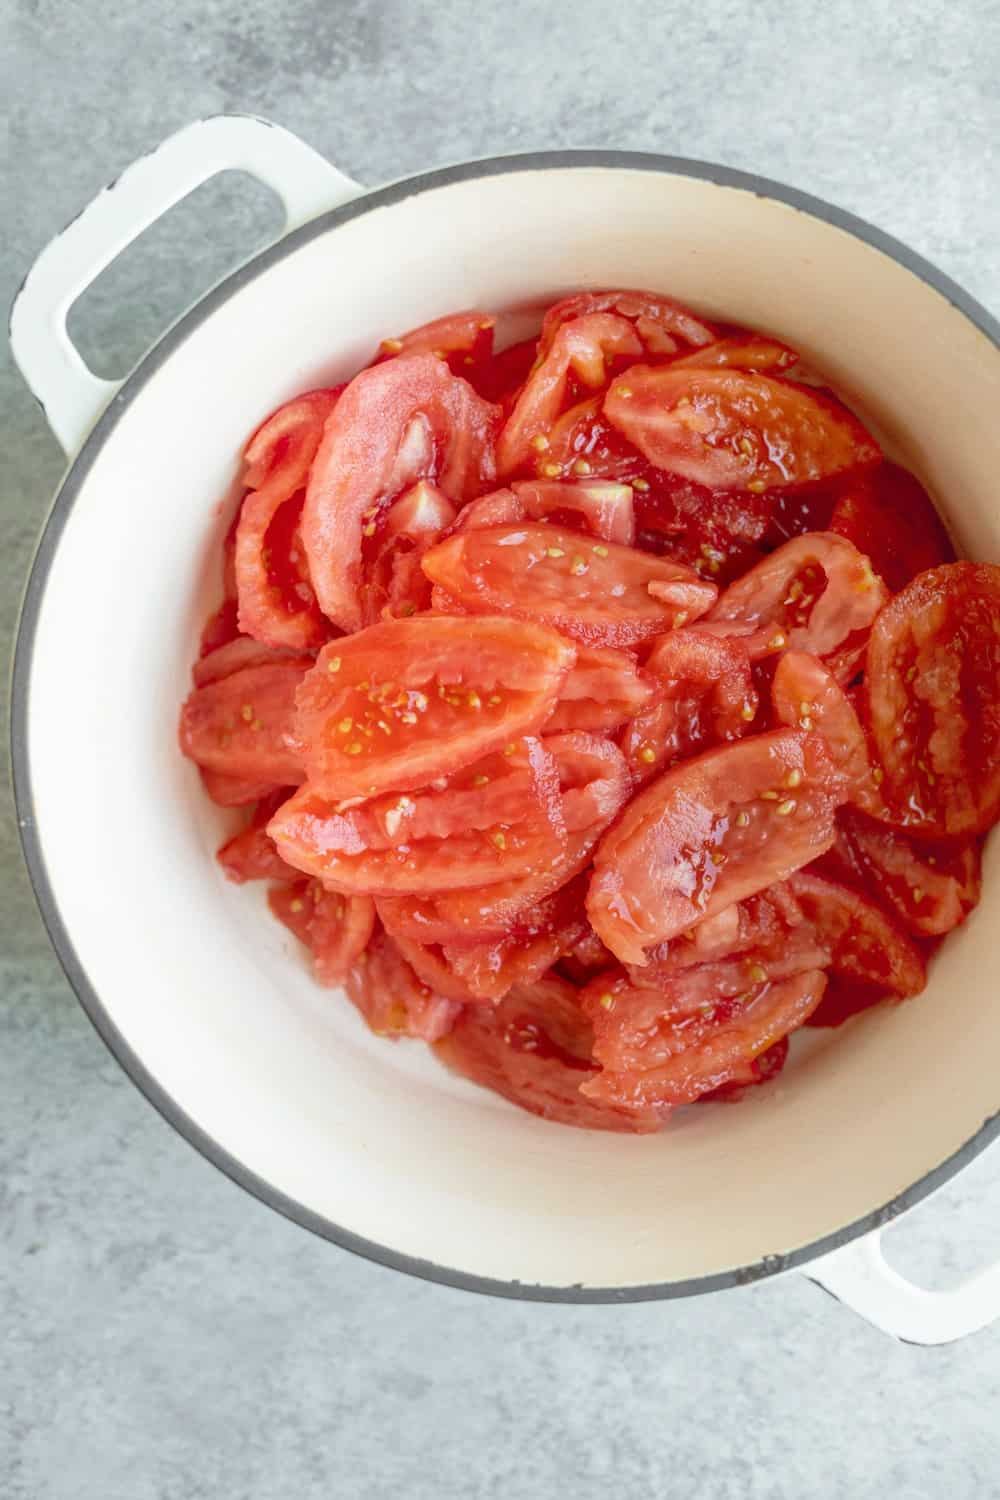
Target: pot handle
x: 71, y: 396
x: 861, y: 1278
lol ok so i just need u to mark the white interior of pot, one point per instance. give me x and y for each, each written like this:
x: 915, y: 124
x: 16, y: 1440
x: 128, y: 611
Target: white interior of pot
x: 214, y: 996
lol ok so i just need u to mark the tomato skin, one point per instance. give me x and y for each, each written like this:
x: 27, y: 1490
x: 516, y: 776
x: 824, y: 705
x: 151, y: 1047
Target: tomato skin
x: 890, y: 517
x: 580, y: 348
x: 661, y: 323
x: 807, y: 696
x: 596, y: 593
x: 730, y: 429
x: 427, y: 689
x: 336, y: 929
x: 816, y: 593
x: 396, y: 423
x: 932, y: 698
x: 250, y: 854
x: 533, y: 1048
x: 709, y: 833
x: 463, y: 836
x: 240, y: 725
x: 275, y: 598
x: 242, y: 651
x: 678, y: 1059
x: 929, y: 888
x: 393, y: 1001
x: 706, y: 697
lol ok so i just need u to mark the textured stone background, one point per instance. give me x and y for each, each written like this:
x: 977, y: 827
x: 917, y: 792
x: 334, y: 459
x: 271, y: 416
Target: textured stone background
x: 163, y: 1336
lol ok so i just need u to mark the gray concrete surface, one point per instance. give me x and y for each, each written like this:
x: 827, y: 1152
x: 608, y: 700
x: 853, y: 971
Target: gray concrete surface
x: 164, y: 1337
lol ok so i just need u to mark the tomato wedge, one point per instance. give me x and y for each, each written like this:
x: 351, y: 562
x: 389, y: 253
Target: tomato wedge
x: 807, y: 696
x: 334, y: 928
x: 398, y: 422
x: 864, y: 943
x: 748, y: 351
x: 677, y: 1059
x: 533, y: 1048
x: 464, y: 340
x: 890, y: 517
x: 233, y: 791
x: 706, y: 696
x: 393, y: 1000
x: 241, y: 652
x: 275, y: 597
x: 604, y: 508
x: 602, y: 691
x: 240, y: 725
x: 734, y: 429
x: 490, y: 822
x: 932, y: 691
x: 662, y: 324
x: 596, y: 593
x: 398, y: 704
x: 492, y: 968
x: 930, y: 888
x: 817, y: 594
x: 711, y: 832
x: 595, y: 786
x: 578, y: 356
x: 250, y: 854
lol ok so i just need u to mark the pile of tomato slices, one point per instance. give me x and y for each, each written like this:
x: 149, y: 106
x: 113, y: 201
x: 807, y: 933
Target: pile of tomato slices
x: 608, y: 707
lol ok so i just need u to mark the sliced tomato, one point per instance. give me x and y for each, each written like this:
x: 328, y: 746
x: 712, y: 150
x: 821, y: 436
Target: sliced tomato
x: 763, y: 1069
x: 932, y: 692
x: 765, y: 937
x: 398, y: 704
x: 733, y: 429
x: 603, y: 690
x: 604, y: 508
x: 890, y: 517
x: 395, y: 585
x: 711, y: 832
x: 596, y: 593
x: 533, y: 1048
x: 276, y: 601
x: 595, y: 786
x: 750, y: 351
x: 807, y: 696
x: 334, y: 928
x: 816, y: 594
x: 241, y: 724
x: 492, y: 968
x: 393, y: 1000
x: 677, y: 1059
x: 243, y: 651
x: 490, y: 822
x: 402, y: 421
x: 221, y: 627
x: 432, y: 968
x: 929, y: 887
x: 500, y: 379
x: 464, y: 340
x: 663, y: 325
x: 579, y: 357
x: 233, y: 791
x: 583, y: 444
x: 705, y: 697
x: 250, y: 854
x: 716, y: 532
x: 864, y: 943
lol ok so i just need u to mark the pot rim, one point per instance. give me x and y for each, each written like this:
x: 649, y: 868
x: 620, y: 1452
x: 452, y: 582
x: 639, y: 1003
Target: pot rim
x: 62, y: 505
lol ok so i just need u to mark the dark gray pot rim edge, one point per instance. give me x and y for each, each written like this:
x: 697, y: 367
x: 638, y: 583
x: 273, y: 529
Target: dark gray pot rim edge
x: 62, y: 505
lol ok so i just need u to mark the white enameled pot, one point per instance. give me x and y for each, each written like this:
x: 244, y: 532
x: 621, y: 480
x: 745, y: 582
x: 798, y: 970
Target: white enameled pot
x: 204, y: 1000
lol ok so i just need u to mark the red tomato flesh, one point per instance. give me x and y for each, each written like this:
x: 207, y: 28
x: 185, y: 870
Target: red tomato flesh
x: 595, y: 592
x: 241, y: 725
x: 394, y: 706
x: 335, y: 928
